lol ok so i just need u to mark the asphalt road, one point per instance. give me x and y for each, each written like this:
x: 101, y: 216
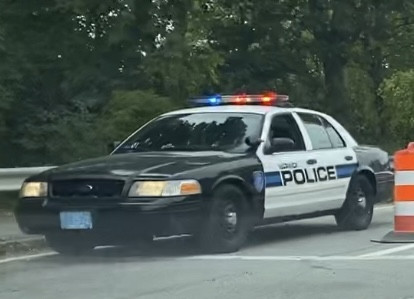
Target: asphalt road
x: 304, y: 259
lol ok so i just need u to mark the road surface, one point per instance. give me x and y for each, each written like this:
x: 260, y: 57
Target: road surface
x: 303, y: 259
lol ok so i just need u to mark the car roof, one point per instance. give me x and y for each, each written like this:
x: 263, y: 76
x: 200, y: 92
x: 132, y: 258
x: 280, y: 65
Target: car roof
x: 256, y: 109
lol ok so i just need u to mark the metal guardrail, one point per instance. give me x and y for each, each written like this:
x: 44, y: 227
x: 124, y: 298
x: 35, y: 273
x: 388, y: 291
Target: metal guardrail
x: 11, y: 179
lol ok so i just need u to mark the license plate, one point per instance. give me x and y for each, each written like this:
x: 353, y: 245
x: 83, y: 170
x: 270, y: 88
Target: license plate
x: 75, y: 220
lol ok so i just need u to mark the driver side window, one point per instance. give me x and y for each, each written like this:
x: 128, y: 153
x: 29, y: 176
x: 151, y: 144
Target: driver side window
x: 284, y: 126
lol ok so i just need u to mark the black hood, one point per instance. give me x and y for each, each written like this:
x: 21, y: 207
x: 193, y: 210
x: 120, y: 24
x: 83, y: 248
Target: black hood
x: 149, y: 164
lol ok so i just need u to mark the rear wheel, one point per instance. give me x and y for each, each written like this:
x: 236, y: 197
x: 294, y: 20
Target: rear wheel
x: 228, y: 223
x: 69, y: 243
x: 357, y: 211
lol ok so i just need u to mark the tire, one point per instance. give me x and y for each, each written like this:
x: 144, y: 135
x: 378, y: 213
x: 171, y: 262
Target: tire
x: 228, y: 222
x: 69, y: 243
x: 357, y: 211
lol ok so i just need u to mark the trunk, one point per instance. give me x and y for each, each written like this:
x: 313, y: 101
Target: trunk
x: 336, y: 92
x: 377, y: 73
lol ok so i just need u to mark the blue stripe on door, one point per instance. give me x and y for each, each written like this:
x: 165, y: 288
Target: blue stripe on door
x: 273, y: 179
x: 345, y: 170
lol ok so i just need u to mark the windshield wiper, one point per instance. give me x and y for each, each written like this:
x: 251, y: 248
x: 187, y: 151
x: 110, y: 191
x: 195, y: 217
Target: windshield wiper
x: 188, y: 148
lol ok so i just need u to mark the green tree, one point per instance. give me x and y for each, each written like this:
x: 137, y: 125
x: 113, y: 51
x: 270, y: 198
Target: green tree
x: 398, y: 95
x: 126, y: 111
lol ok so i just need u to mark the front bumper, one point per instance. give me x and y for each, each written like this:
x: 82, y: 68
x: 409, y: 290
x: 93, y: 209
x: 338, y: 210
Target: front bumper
x: 115, y: 220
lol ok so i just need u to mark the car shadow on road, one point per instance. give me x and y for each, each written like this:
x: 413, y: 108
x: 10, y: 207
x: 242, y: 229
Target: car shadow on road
x: 289, y: 231
x: 160, y: 249
x: 167, y: 248
x: 297, y: 230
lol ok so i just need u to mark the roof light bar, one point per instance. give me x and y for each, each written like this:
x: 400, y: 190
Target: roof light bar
x: 266, y: 99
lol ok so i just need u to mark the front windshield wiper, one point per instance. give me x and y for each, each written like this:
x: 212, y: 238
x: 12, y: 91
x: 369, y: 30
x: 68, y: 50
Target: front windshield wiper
x: 188, y: 148
x: 127, y: 149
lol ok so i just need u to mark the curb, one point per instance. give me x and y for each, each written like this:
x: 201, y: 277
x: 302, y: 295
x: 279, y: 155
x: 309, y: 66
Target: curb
x: 25, y: 245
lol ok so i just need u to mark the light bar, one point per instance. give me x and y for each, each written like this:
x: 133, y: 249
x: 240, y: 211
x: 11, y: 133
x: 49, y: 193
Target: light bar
x: 266, y: 99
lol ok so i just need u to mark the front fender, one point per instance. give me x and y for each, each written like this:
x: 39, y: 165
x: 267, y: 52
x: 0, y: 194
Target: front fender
x: 239, y: 181
x: 255, y: 198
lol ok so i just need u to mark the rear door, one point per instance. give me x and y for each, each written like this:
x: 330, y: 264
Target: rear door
x: 333, y: 161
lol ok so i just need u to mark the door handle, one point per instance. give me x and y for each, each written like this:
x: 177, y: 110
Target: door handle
x: 349, y: 158
x: 312, y: 161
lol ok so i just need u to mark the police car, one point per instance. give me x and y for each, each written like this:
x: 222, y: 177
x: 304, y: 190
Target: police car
x: 214, y: 171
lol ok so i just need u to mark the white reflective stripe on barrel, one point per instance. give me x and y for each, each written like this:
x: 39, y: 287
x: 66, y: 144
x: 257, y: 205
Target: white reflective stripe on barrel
x: 402, y: 208
x: 404, y: 178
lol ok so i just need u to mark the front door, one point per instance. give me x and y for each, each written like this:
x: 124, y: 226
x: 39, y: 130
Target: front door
x: 288, y: 190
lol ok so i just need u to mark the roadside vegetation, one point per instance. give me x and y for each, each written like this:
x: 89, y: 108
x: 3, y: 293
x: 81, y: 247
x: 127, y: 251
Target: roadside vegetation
x: 76, y: 75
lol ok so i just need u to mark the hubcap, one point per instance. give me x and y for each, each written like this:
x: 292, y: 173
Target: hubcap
x: 230, y: 218
x: 362, y: 200
x: 361, y: 206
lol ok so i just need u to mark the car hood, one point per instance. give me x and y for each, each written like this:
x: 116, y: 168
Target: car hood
x: 150, y: 164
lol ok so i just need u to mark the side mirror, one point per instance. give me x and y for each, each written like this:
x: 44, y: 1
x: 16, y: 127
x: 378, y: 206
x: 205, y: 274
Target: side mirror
x: 113, y: 145
x: 253, y: 142
x: 281, y: 145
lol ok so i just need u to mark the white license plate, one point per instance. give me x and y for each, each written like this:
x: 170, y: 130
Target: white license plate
x: 75, y: 220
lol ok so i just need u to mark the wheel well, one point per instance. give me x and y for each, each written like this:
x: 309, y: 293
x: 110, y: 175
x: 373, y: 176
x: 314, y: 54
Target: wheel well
x: 371, y: 177
x: 239, y: 184
x: 256, y: 208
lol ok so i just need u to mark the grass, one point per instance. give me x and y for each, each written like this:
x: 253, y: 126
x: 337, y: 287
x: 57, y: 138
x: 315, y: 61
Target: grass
x: 8, y: 200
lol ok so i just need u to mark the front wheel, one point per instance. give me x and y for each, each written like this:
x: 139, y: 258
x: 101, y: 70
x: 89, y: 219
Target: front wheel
x: 69, y: 244
x: 357, y: 211
x: 226, y: 227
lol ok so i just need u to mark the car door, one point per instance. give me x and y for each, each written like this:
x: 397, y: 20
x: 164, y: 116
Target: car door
x: 287, y: 183
x: 333, y: 160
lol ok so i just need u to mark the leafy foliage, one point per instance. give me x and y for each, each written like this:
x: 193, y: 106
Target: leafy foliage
x: 77, y: 74
x: 398, y: 93
x: 126, y: 111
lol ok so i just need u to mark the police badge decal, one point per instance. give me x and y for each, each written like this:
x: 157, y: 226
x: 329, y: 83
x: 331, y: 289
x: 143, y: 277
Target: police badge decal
x: 258, y: 180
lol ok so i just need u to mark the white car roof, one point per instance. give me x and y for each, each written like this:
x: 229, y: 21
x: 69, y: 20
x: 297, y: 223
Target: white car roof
x: 257, y: 109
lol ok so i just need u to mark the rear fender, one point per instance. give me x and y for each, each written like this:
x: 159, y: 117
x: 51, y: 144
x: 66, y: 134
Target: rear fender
x: 368, y: 172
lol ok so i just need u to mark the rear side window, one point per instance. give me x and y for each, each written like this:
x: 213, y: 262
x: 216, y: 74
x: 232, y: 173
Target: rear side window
x: 336, y: 139
x: 316, y: 131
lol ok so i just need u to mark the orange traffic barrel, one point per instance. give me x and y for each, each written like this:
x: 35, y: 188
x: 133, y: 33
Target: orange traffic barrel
x: 403, y: 197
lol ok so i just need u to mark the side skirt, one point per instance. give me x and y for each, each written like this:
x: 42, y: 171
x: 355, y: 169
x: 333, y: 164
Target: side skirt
x: 281, y: 219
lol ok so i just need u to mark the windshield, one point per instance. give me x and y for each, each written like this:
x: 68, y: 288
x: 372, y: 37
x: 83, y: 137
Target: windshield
x: 196, y: 132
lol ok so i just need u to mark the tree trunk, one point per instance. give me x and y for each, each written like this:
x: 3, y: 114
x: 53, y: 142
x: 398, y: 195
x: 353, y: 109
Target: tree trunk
x: 335, y: 88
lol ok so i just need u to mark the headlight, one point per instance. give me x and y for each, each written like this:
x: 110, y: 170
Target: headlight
x: 164, y: 188
x: 33, y: 189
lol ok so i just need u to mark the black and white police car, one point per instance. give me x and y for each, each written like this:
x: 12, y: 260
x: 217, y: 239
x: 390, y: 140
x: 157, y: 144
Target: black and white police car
x: 215, y: 171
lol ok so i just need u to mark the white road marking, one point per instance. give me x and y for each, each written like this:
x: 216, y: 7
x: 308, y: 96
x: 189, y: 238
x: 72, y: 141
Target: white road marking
x: 26, y: 257
x: 298, y: 258
x: 384, y: 207
x: 379, y: 255
x: 389, y: 250
x: 251, y: 258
